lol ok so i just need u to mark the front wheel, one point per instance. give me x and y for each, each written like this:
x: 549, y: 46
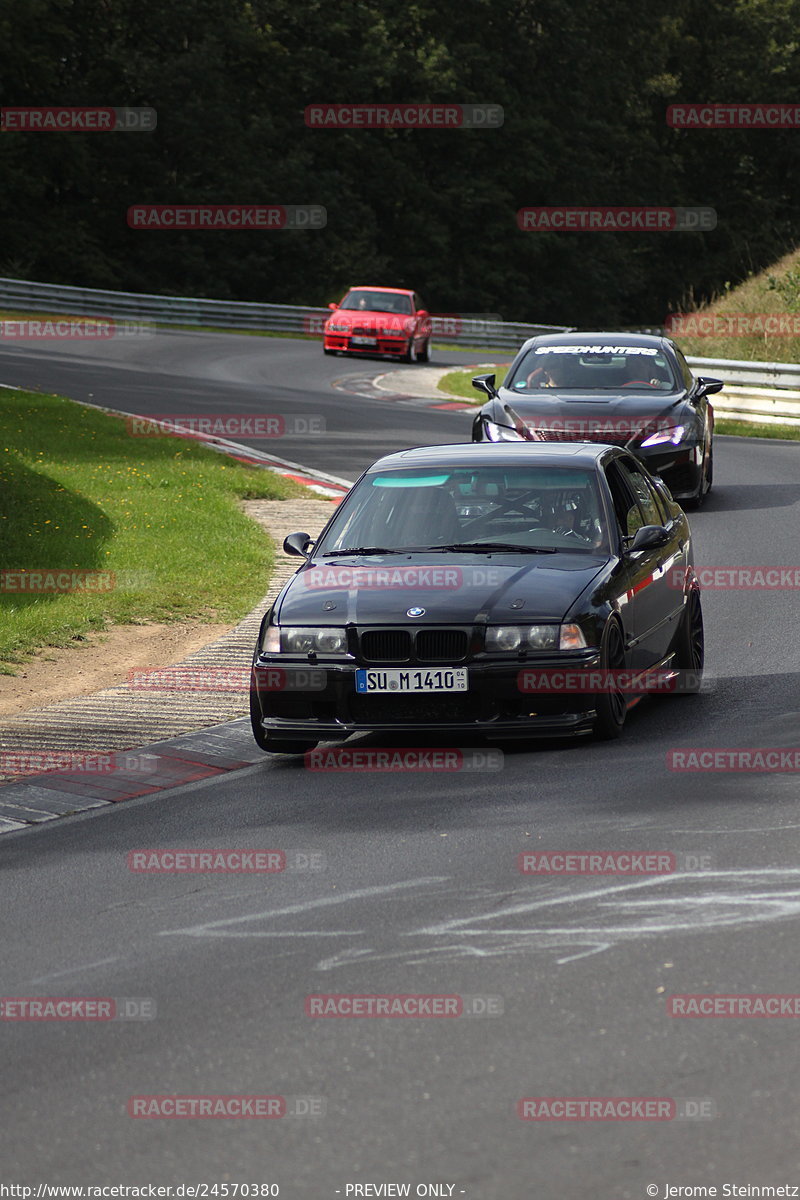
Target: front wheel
x: 706, y: 480
x: 266, y: 741
x: 410, y: 355
x: 612, y: 707
x: 325, y: 350
x: 425, y: 352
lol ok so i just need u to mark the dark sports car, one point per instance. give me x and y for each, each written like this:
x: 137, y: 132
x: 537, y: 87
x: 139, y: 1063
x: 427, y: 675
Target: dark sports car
x: 460, y: 588
x: 632, y: 390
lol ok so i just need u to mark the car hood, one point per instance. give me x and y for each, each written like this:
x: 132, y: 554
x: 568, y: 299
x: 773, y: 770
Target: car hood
x: 450, y: 588
x: 631, y: 406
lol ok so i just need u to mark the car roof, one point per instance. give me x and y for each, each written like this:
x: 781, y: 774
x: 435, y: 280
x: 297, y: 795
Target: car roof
x: 498, y: 454
x: 598, y: 339
x: 371, y: 287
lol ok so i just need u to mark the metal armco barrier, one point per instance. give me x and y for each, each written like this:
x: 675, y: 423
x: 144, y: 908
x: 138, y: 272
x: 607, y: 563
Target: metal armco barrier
x: 760, y: 391
x: 26, y: 296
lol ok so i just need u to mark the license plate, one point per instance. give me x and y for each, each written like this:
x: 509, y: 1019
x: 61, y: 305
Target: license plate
x: 440, y: 679
x: 362, y: 341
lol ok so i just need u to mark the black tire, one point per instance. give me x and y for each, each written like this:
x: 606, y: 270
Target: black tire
x: 612, y: 707
x: 706, y: 480
x: 326, y: 351
x: 710, y: 469
x: 690, y: 648
x: 266, y: 741
x: 425, y: 352
x: 410, y: 355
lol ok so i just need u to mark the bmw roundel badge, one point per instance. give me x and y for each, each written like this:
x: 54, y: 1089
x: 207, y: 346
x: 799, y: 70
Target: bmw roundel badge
x: 415, y: 612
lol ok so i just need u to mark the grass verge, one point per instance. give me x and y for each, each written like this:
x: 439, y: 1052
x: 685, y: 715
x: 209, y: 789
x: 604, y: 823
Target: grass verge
x: 155, y: 521
x: 786, y: 433
x: 459, y: 383
x: 774, y: 291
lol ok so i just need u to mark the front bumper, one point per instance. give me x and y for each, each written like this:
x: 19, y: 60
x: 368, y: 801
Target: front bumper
x: 681, y: 467
x: 494, y: 704
x: 383, y: 345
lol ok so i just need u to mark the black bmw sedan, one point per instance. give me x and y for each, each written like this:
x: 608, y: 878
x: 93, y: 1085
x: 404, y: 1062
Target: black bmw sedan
x: 632, y: 390
x: 476, y: 589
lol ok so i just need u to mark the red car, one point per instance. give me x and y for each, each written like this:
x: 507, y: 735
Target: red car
x: 379, y: 320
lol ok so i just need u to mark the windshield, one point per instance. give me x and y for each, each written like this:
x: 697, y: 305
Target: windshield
x: 526, y: 506
x: 594, y: 368
x: 366, y: 301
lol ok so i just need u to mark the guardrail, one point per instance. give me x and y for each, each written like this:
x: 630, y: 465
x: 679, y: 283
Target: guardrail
x: 26, y: 296
x: 758, y: 391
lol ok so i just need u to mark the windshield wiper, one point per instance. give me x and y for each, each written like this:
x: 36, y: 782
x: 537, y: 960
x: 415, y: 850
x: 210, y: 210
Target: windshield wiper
x: 359, y: 550
x: 488, y: 547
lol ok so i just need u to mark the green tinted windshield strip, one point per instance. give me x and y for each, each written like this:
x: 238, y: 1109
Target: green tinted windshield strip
x: 409, y: 481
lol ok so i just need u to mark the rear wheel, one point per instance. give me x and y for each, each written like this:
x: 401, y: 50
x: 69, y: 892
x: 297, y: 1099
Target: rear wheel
x: 690, y: 647
x: 612, y: 707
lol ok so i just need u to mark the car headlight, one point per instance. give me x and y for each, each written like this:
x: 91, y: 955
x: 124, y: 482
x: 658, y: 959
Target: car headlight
x: 300, y: 640
x: 674, y: 434
x: 500, y: 433
x: 337, y: 327
x: 506, y: 639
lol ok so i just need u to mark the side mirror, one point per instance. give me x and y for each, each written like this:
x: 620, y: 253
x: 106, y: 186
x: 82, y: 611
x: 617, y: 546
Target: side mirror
x: 485, y: 383
x: 333, y: 307
x: 648, y: 538
x: 296, y: 544
x: 707, y: 387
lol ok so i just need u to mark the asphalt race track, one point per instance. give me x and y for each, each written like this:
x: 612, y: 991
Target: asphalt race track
x: 420, y: 893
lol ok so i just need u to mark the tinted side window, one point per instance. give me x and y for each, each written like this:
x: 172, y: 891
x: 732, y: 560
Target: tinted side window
x: 629, y: 518
x: 645, y: 495
x: 685, y: 370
